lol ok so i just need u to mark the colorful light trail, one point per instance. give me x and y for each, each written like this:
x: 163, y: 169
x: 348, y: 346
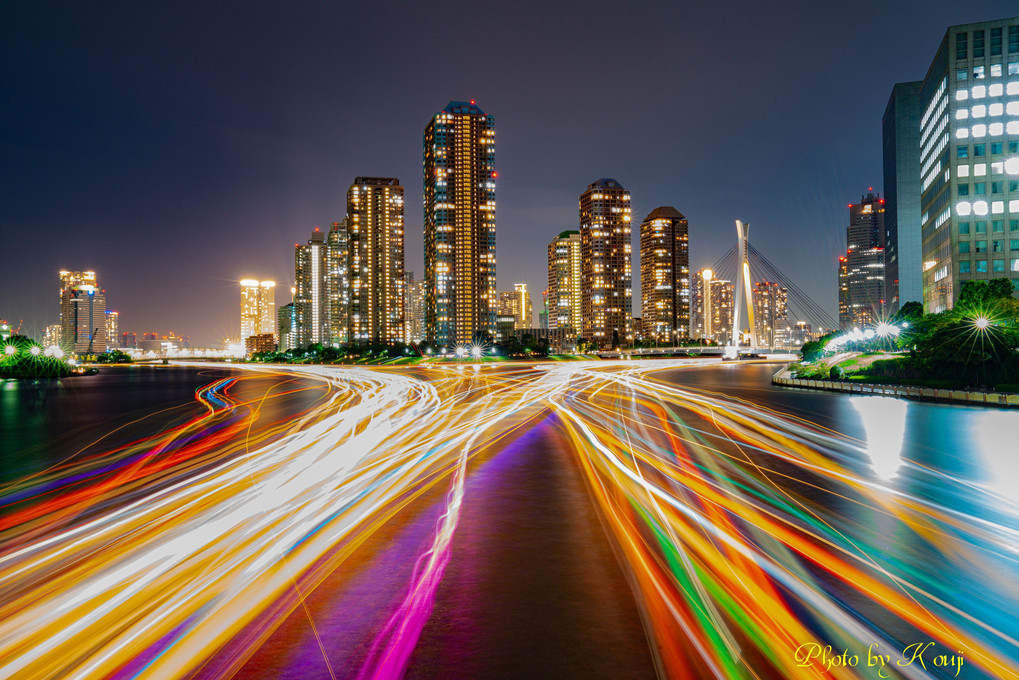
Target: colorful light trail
x: 749, y: 534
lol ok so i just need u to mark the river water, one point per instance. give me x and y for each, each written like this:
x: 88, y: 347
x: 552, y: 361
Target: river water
x: 533, y: 587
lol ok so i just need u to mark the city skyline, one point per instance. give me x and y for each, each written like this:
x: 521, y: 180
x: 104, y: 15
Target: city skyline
x: 176, y: 164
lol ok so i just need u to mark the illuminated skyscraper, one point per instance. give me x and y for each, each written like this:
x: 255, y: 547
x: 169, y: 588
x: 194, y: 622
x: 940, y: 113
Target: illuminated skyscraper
x: 712, y: 302
x: 665, y: 275
x: 311, y: 297
x: 286, y: 322
x: 845, y: 315
x: 517, y: 303
x: 112, y: 329
x: 51, y: 337
x: 338, y: 282
x: 258, y: 308
x: 865, y: 262
x: 565, y: 274
x: 459, y: 224
x: 82, y: 312
x: 771, y: 311
x: 375, y: 233
x: 969, y: 160
x: 414, y: 308
x: 606, y: 288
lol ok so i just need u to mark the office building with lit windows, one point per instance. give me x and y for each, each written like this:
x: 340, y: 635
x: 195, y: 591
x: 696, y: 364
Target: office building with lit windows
x: 865, y: 264
x: 665, y: 275
x: 82, y: 313
x: 459, y: 224
x: 258, y: 308
x: 311, y: 298
x: 565, y: 276
x: 606, y: 277
x: 375, y: 243
x: 969, y: 160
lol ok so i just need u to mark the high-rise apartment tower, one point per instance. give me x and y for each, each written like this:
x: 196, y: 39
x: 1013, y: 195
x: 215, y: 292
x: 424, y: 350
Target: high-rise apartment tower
x: 665, y: 275
x: 606, y: 286
x: 459, y: 224
x: 375, y: 233
x: 311, y: 297
x: 565, y: 275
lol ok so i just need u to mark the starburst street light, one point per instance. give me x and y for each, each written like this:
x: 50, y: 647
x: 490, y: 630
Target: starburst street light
x: 981, y: 322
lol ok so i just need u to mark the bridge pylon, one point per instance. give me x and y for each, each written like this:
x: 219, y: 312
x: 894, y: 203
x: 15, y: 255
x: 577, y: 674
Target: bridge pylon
x: 743, y: 286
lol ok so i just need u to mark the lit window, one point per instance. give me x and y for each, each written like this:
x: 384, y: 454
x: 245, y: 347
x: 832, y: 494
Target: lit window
x: 980, y: 207
x: 995, y: 90
x: 1015, y: 265
x: 963, y: 208
x: 963, y: 95
x: 1012, y: 165
x: 979, y: 111
x: 995, y: 129
x: 1012, y: 109
x: 997, y: 207
x: 1013, y: 87
x: 1013, y: 206
x: 995, y: 70
x: 961, y: 133
x: 962, y: 114
x: 979, y: 130
x: 1013, y: 129
x: 980, y: 169
x: 962, y: 171
x: 997, y: 168
x: 995, y: 109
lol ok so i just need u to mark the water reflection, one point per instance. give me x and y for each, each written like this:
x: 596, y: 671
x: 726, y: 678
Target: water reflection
x: 992, y: 431
x: 884, y: 428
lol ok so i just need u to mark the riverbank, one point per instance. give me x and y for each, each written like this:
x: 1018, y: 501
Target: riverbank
x: 784, y: 378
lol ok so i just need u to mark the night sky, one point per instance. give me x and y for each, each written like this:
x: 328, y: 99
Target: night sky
x: 176, y: 148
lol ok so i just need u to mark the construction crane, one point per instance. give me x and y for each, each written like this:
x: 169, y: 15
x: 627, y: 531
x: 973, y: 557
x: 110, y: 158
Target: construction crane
x: 89, y: 356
